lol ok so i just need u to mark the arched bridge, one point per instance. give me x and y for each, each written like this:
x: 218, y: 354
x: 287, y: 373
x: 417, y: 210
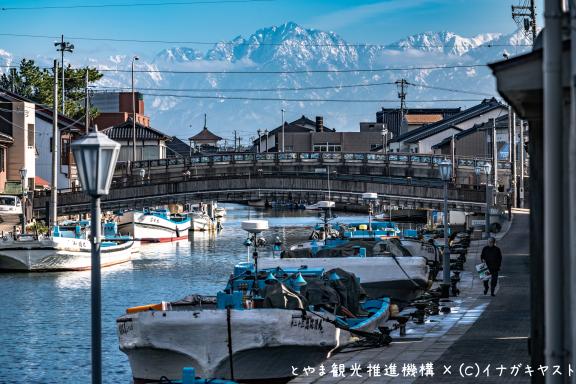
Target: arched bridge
x: 405, y: 180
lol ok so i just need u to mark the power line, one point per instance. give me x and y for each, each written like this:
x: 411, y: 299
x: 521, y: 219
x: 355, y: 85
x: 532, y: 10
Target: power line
x: 450, y: 89
x: 232, y: 90
x: 202, y: 2
x: 303, y: 44
x: 302, y: 71
x: 303, y: 100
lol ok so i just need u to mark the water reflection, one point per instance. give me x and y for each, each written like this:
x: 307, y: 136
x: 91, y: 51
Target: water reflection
x: 45, y: 321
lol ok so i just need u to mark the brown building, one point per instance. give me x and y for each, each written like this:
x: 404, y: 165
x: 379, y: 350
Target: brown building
x: 399, y: 122
x: 306, y: 135
x: 116, y: 108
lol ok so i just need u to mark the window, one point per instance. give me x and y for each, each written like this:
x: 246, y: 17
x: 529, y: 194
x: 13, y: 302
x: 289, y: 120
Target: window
x: 65, y: 152
x: 2, y: 159
x: 31, y: 133
x: 327, y: 147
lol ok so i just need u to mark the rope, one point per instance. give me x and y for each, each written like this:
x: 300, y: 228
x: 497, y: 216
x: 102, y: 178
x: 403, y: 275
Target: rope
x: 407, y: 275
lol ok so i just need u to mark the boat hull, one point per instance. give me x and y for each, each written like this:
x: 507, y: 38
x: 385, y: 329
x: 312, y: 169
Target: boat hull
x: 266, y: 343
x: 59, y: 254
x: 402, y: 278
x: 151, y: 229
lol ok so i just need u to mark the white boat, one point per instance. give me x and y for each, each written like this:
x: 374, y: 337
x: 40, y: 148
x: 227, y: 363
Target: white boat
x: 320, y: 205
x: 201, y: 222
x: 154, y: 226
x: 67, y: 250
x: 219, y: 212
x: 265, y: 342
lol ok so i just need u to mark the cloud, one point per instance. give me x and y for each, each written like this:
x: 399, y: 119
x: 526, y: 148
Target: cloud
x: 351, y: 16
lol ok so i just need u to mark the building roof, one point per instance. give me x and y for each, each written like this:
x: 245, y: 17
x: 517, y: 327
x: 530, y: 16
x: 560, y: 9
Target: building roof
x: 501, y: 123
x: 38, y: 181
x: 124, y: 132
x: 423, y: 119
x: 393, y: 118
x: 44, y: 112
x: 428, y: 130
x: 177, y: 148
x: 205, y: 135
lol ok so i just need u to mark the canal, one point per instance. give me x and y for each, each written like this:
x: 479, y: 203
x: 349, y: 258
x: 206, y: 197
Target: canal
x: 45, y: 317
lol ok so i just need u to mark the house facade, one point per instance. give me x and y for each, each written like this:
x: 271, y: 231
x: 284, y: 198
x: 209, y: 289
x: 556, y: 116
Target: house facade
x: 150, y: 142
x: 422, y: 139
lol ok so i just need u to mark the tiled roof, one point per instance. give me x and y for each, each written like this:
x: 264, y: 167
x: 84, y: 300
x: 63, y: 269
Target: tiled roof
x: 124, y: 131
x: 177, y: 148
x: 205, y: 135
x: 431, y: 129
x: 423, y: 119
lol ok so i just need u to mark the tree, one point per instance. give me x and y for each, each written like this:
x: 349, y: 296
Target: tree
x: 36, y: 84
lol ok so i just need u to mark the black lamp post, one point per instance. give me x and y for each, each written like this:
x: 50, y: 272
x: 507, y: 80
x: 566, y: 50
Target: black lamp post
x: 96, y: 155
x: 445, y: 167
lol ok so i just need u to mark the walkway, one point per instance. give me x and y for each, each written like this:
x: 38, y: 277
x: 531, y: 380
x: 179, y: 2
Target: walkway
x: 489, y: 331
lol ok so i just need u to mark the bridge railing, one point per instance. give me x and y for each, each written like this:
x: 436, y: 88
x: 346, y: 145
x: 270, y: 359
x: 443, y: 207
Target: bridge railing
x: 306, y: 157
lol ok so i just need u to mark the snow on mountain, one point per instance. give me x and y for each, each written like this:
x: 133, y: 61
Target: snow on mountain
x: 177, y: 101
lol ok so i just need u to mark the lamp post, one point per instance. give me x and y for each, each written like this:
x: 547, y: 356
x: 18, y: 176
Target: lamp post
x: 135, y: 58
x: 142, y: 173
x: 477, y: 171
x: 266, y: 138
x: 445, y: 167
x: 96, y: 157
x: 259, y: 140
x: 63, y: 46
x: 370, y: 198
x: 23, y: 172
x: 487, y: 167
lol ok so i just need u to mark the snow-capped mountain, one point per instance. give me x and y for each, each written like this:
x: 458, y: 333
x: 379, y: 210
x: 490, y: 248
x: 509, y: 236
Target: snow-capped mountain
x: 176, y: 102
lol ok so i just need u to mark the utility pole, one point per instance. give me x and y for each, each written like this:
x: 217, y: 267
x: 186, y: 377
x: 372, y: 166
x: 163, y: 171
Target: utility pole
x: 13, y: 79
x: 63, y: 46
x: 514, y: 161
x: 522, y: 154
x: 235, y: 141
x: 525, y: 17
x: 495, y: 157
x: 55, y: 139
x: 87, y: 104
x: 401, y: 86
x: 134, y: 58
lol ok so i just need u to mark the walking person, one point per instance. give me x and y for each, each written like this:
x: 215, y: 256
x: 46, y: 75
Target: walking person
x: 492, y: 256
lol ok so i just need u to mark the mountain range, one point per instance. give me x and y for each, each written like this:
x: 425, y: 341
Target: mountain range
x: 307, y: 68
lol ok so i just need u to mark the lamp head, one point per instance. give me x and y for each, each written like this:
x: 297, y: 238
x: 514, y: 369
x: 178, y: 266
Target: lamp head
x: 96, y: 155
x: 23, y: 173
x: 487, y: 168
x: 445, y: 167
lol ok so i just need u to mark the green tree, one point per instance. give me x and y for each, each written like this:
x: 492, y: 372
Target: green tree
x: 37, y: 84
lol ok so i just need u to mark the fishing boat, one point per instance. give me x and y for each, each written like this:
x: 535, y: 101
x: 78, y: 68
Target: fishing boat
x: 154, y: 225
x: 261, y: 324
x: 385, y: 267
x: 372, y: 251
x: 68, y: 248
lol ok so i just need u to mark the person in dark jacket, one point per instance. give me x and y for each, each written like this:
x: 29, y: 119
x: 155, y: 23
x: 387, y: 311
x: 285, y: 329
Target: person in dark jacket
x: 492, y: 256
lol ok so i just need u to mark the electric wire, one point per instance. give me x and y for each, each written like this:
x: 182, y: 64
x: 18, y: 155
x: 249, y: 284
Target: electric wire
x: 126, y: 5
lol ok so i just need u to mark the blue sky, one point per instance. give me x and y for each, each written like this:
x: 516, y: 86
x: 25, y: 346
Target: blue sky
x: 374, y: 21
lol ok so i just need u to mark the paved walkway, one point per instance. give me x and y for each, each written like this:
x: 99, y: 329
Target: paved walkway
x: 480, y: 329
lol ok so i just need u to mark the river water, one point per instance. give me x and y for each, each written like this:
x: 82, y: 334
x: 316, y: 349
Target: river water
x: 45, y: 317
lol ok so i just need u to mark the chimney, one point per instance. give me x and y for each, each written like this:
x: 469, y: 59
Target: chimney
x: 319, y: 124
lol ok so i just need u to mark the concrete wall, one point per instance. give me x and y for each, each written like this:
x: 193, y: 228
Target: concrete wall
x: 347, y: 141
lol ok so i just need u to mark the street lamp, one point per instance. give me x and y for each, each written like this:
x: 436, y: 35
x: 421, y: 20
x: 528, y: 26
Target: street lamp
x: 370, y: 198
x: 487, y: 171
x: 135, y: 58
x: 23, y: 172
x: 96, y: 155
x: 445, y: 167
x: 259, y: 140
x: 142, y: 173
x: 63, y: 46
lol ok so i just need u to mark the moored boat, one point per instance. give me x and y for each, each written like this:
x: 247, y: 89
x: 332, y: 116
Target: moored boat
x: 68, y: 248
x: 154, y: 225
x: 257, y: 328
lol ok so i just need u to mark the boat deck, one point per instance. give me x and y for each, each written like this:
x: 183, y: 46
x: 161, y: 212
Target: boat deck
x: 489, y: 331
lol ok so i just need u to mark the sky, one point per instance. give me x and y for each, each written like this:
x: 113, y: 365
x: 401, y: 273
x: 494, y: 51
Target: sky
x: 382, y: 21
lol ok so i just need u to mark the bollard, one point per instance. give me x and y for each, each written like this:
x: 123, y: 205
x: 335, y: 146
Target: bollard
x: 188, y: 375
